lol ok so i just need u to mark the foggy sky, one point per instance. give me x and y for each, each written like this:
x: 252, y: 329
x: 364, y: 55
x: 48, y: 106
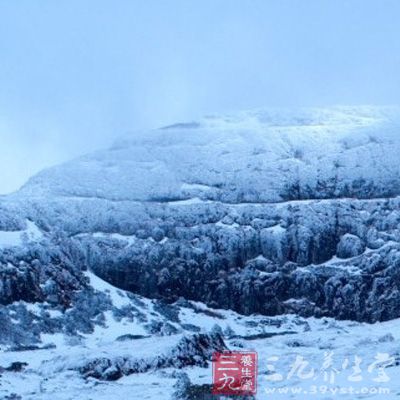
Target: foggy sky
x: 76, y: 74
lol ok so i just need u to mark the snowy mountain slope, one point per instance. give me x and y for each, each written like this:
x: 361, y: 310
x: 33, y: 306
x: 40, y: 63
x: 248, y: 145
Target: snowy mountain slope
x: 270, y: 212
x: 260, y: 156
x: 122, y: 348
x: 92, y: 366
x: 205, y: 211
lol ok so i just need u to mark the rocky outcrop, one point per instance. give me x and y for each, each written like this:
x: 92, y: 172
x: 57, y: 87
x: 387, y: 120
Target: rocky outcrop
x: 290, y: 266
x: 195, y: 350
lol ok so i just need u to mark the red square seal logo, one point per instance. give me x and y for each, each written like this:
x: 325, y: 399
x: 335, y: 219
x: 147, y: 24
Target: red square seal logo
x: 235, y: 373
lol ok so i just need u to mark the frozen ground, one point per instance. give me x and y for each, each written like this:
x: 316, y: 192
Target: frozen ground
x: 53, y: 373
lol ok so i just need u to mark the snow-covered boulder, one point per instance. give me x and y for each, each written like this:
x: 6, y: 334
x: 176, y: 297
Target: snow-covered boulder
x: 350, y: 246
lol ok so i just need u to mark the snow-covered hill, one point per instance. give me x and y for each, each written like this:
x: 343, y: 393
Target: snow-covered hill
x: 259, y: 156
x: 268, y: 212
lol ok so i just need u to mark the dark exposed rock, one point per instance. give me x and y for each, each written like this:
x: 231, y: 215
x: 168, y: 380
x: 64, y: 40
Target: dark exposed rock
x: 193, y: 350
x: 127, y: 337
x: 16, y: 366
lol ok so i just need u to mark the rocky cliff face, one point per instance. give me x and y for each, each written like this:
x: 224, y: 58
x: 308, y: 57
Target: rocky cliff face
x: 265, y: 212
x: 332, y: 258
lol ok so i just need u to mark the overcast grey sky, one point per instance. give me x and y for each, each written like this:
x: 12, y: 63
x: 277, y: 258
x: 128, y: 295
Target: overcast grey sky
x: 76, y: 74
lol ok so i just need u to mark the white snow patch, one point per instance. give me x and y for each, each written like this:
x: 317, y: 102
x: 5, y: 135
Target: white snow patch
x: 17, y: 238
